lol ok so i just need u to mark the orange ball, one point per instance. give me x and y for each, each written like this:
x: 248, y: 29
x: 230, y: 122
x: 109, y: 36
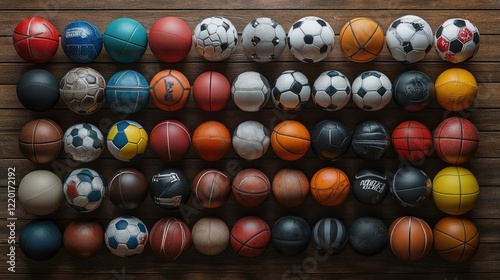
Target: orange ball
x: 170, y: 90
x: 456, y: 239
x: 211, y: 140
x: 290, y: 140
x: 330, y: 186
x: 410, y: 238
x: 361, y: 39
x: 290, y: 187
x: 456, y: 89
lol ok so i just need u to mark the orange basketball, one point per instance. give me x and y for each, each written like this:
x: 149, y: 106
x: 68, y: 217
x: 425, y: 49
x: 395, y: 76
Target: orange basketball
x: 410, y: 238
x: 456, y: 239
x: 211, y: 140
x: 290, y: 140
x: 170, y: 90
x: 330, y: 186
x: 361, y: 39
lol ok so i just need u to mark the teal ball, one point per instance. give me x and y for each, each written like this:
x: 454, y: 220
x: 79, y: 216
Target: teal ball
x: 125, y: 40
x: 40, y: 240
x: 127, y: 92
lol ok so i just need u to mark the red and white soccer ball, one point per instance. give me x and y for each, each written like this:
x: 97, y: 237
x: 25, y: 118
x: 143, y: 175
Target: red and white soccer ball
x: 457, y: 40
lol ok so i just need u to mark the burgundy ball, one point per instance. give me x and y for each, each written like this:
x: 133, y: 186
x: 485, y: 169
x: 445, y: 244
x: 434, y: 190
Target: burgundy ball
x: 127, y: 188
x: 83, y: 239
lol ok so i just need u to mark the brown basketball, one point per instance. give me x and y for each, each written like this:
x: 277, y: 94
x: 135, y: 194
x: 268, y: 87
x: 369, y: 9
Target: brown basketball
x: 330, y: 186
x: 456, y: 239
x: 210, y: 236
x: 410, y: 238
x: 127, y: 188
x: 290, y: 187
x: 250, y: 187
x: 40, y: 141
x: 170, y: 238
x: 361, y: 39
x: 250, y: 236
x: 211, y: 188
x: 83, y: 238
x: 211, y: 140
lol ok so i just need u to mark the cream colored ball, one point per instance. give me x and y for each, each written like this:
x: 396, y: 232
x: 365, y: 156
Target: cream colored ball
x: 40, y: 192
x: 210, y: 236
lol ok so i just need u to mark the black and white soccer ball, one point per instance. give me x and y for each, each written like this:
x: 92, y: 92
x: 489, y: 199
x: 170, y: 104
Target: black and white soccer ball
x: 311, y: 39
x: 83, y: 142
x: 371, y: 90
x: 409, y: 38
x: 250, y: 91
x: 263, y: 39
x: 457, y: 40
x: 331, y: 90
x: 215, y: 38
x: 291, y: 91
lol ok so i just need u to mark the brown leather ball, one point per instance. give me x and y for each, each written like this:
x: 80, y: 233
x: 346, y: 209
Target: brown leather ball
x: 127, y: 188
x: 290, y: 187
x: 83, y: 238
x: 210, y: 236
x: 40, y: 141
x: 211, y: 188
x: 251, y: 187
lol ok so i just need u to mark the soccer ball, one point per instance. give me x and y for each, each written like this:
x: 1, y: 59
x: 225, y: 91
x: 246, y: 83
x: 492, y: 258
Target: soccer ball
x: 291, y: 91
x: 331, y: 90
x: 215, y: 38
x: 409, y: 38
x: 126, y: 236
x: 84, y: 189
x: 457, y: 40
x: 127, y: 140
x: 371, y: 90
x: 127, y: 92
x: 251, y: 140
x: 263, y: 39
x: 82, y: 89
x: 250, y: 91
x: 83, y: 142
x: 311, y: 39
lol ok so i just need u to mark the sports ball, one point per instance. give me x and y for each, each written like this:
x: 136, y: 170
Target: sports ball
x: 250, y: 91
x: 127, y: 188
x: 38, y: 90
x: 170, y: 188
x: 215, y: 38
x: 290, y: 187
x: 35, y: 40
x: 127, y: 140
x: 412, y: 140
x: 251, y: 140
x: 170, y: 238
x: 361, y: 39
x: 291, y: 91
x: 331, y: 90
x: 290, y: 235
x: 170, y: 39
x: 410, y: 238
x: 457, y: 40
x: 126, y: 236
x: 413, y: 91
x: 40, y: 240
x: 368, y: 236
x: 370, y: 140
x: 211, y: 140
x: 456, y: 89
x: 125, y: 40
x: 83, y: 142
x: 311, y: 39
x: 455, y: 190
x: 330, y: 139
x: 329, y: 235
x: 84, y: 189
x: 250, y: 236
x: 410, y: 186
x: 210, y: 236
x: 211, y: 188
x: 127, y: 92
x: 40, y: 192
x: 290, y: 140
x: 82, y: 89
x: 456, y: 140
x: 40, y: 141
x: 330, y: 186
x: 371, y: 90
x: 211, y: 91
x: 170, y: 140
x: 263, y: 39
x: 250, y: 187
x: 370, y: 186
x: 83, y: 239
x: 456, y: 239
x: 81, y: 41
x: 409, y: 38
x: 169, y: 90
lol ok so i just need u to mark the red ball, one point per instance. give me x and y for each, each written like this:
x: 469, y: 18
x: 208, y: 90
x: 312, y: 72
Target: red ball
x: 83, y: 239
x: 170, y: 140
x: 211, y: 91
x: 251, y: 187
x: 211, y: 188
x: 35, y: 40
x: 412, y: 140
x: 250, y: 236
x: 170, y: 39
x: 170, y: 238
x: 456, y: 140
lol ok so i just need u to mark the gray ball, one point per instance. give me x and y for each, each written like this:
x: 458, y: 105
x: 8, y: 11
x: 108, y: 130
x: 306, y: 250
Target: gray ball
x: 370, y: 140
x: 251, y: 140
x: 250, y: 91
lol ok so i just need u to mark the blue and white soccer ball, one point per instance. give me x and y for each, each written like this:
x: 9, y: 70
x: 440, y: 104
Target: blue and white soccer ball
x: 215, y: 38
x: 409, y: 38
x: 83, y: 142
x: 126, y: 236
x: 81, y: 41
x: 127, y: 92
x: 331, y: 90
x: 311, y: 39
x: 371, y: 90
x: 263, y: 39
x: 84, y: 189
x: 291, y: 91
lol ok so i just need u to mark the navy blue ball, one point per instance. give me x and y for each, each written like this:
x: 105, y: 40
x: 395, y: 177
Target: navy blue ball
x: 40, y: 240
x: 127, y: 91
x: 81, y: 41
x: 290, y: 235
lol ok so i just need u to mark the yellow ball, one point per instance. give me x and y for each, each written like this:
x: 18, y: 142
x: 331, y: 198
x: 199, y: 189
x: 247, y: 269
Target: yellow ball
x: 455, y: 190
x: 456, y: 89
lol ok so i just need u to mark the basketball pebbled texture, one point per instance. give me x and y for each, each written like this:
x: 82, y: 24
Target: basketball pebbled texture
x: 250, y: 236
x: 456, y: 239
x: 456, y: 140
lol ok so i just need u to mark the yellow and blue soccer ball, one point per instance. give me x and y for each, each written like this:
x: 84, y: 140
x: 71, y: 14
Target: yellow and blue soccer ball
x: 127, y: 140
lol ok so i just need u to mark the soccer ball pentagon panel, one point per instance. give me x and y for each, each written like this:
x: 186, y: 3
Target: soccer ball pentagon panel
x: 263, y: 39
x: 409, y: 39
x: 250, y: 91
x: 84, y: 189
x: 371, y: 90
x: 215, y: 38
x: 82, y: 89
x: 126, y: 236
x: 457, y: 40
x: 127, y: 140
x: 331, y: 90
x: 291, y: 91
x: 83, y: 142
x: 311, y: 39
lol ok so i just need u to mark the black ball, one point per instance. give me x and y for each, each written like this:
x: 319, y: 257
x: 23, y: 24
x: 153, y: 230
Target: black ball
x: 329, y: 235
x: 410, y: 186
x: 368, y: 236
x: 38, y: 90
x: 170, y: 188
x: 40, y: 240
x: 290, y: 235
x: 370, y: 140
x: 413, y: 91
x: 370, y: 186
x: 330, y: 139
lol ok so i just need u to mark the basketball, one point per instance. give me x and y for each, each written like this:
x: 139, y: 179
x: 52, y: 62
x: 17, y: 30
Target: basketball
x: 330, y: 139
x: 455, y: 190
x: 251, y: 140
x: 290, y: 187
x: 370, y: 186
x: 329, y: 235
x: 38, y: 90
x: 169, y: 90
x: 83, y: 239
x: 211, y: 188
x: 211, y: 140
x: 290, y: 235
x: 368, y: 236
x: 170, y: 140
x: 40, y: 141
x: 35, y: 40
x: 412, y: 140
x: 456, y: 239
x: 370, y: 140
x: 170, y: 238
x: 250, y: 187
x: 250, y: 236
x: 127, y: 188
x: 169, y: 188
x: 40, y: 192
x: 456, y: 140
x: 40, y: 240
x: 330, y: 186
x: 170, y: 39
x: 127, y: 92
x: 413, y: 91
x: 290, y: 140
x: 211, y: 91
x: 361, y: 39
x: 410, y: 186
x: 456, y: 89
x: 210, y: 236
x: 410, y: 238
x: 81, y: 41
x: 125, y: 40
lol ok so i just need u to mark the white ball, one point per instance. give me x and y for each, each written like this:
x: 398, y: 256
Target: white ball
x: 215, y: 38
x: 84, y: 189
x: 251, y: 140
x: 409, y: 38
x: 331, y: 90
x: 83, y: 142
x: 126, y: 236
x: 457, y: 40
x: 311, y: 39
x: 250, y: 91
x: 371, y: 90
x: 291, y: 91
x: 263, y: 39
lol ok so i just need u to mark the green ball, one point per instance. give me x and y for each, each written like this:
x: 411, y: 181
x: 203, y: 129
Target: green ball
x: 125, y: 40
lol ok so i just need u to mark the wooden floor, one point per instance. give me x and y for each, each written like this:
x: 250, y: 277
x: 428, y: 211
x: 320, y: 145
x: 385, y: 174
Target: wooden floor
x: 348, y: 265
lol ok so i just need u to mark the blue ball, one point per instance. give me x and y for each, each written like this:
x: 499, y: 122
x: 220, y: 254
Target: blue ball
x: 81, y: 41
x: 127, y: 91
x: 40, y: 240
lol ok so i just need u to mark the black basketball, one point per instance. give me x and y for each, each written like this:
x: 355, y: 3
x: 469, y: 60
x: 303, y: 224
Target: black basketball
x: 329, y: 235
x: 38, y: 90
x: 370, y: 186
x: 368, y: 236
x: 290, y: 235
x: 413, y: 91
x: 370, y: 140
x: 410, y: 186
x: 170, y: 188
x: 330, y: 139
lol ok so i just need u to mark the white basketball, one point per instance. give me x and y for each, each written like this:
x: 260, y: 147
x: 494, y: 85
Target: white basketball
x: 251, y: 140
x: 250, y: 91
